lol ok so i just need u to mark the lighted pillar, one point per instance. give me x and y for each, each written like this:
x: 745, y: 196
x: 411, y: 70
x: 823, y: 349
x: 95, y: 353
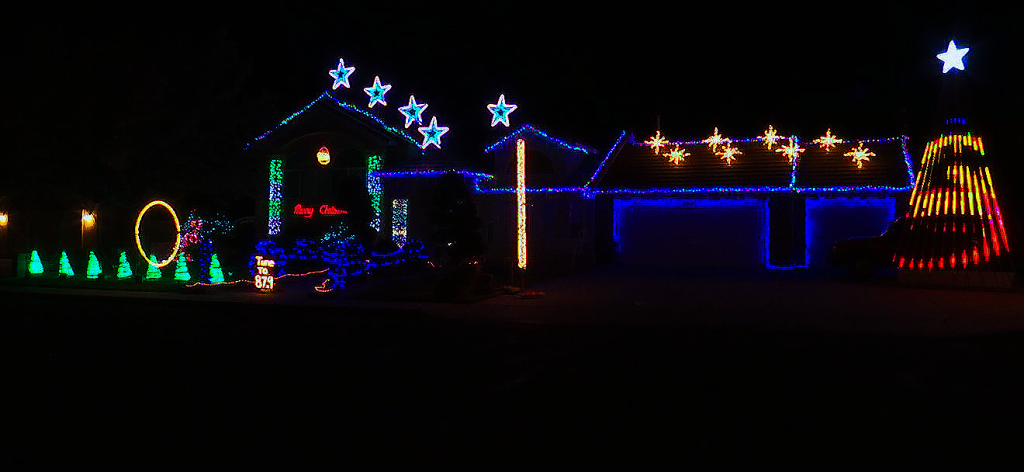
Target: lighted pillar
x: 521, y: 202
x: 399, y: 221
x: 274, y: 199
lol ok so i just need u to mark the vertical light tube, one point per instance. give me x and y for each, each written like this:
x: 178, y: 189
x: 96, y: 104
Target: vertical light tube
x: 521, y: 202
x: 274, y: 199
x: 373, y: 188
x: 399, y: 219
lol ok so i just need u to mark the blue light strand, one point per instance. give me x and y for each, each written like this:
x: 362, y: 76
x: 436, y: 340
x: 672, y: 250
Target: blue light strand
x: 524, y: 128
x: 604, y: 161
x: 401, y: 133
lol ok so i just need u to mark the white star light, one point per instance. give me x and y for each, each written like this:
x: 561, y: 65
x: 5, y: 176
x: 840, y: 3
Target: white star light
x: 432, y: 134
x: 677, y: 155
x: 953, y: 58
x: 376, y: 92
x: 340, y: 75
x: 413, y: 112
x: 500, y: 111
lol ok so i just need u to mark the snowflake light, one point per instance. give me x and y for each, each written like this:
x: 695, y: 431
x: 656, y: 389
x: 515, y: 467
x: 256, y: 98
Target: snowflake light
x: 953, y: 58
x: 770, y: 137
x: 500, y: 111
x: 728, y: 152
x: 860, y: 154
x: 792, y: 151
x: 376, y: 92
x: 340, y: 75
x: 656, y: 142
x: 677, y: 155
x: 413, y: 112
x: 432, y: 134
x: 715, y: 140
x: 828, y: 141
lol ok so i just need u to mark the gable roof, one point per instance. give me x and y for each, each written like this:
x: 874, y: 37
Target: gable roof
x: 356, y: 113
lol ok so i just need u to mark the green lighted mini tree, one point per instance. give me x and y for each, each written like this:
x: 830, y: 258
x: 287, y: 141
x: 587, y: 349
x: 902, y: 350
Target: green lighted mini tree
x: 181, y: 269
x: 65, y: 265
x: 124, y: 269
x: 216, y: 274
x: 153, y: 272
x: 93, y: 271
x: 35, y: 265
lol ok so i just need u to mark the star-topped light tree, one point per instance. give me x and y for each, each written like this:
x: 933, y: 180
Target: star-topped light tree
x: 432, y: 133
x: 954, y: 224
x: 500, y: 111
x: 341, y: 74
x: 376, y: 92
x: 413, y: 112
x: 953, y: 57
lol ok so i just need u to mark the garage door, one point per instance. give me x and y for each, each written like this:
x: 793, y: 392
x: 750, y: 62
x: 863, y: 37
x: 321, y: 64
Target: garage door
x: 691, y: 232
x: 830, y: 220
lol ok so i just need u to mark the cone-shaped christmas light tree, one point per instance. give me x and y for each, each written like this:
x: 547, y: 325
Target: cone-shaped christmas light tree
x: 216, y: 274
x: 181, y: 269
x: 35, y: 265
x: 954, y: 222
x: 93, y: 271
x: 65, y: 265
x: 124, y: 269
x: 153, y: 272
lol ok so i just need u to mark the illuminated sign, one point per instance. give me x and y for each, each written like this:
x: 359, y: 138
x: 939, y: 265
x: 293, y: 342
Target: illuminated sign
x: 264, y: 279
x: 326, y: 210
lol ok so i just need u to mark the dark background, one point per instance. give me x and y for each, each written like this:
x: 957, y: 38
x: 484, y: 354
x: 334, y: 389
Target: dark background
x: 114, y: 109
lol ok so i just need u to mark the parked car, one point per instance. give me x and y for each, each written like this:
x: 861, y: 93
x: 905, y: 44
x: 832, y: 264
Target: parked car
x: 864, y: 256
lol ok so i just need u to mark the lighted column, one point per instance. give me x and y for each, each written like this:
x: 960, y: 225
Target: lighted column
x: 521, y: 202
x: 399, y: 221
x: 274, y: 199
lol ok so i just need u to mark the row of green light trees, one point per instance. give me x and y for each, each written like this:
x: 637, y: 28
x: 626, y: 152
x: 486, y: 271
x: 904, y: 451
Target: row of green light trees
x: 124, y: 268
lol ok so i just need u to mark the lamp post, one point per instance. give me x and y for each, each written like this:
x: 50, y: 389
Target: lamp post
x: 88, y: 222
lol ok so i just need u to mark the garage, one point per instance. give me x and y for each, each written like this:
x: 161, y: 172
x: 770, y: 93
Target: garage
x: 691, y: 232
x: 829, y: 220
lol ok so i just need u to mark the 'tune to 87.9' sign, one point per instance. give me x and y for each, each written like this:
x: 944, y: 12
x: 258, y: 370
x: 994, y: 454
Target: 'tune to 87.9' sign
x: 264, y: 279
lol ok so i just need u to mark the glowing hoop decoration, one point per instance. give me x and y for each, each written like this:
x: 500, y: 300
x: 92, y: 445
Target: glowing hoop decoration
x: 177, y: 233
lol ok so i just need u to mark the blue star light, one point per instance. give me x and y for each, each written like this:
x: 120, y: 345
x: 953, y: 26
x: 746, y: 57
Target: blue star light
x: 413, y: 112
x: 432, y: 134
x: 500, y: 111
x: 953, y: 58
x: 376, y: 92
x: 340, y: 75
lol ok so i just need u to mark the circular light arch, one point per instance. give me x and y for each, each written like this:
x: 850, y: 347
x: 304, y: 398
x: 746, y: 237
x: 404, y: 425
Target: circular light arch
x: 177, y: 233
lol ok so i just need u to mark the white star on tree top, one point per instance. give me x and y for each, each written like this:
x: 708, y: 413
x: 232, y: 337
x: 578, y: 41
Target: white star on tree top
x: 953, y: 58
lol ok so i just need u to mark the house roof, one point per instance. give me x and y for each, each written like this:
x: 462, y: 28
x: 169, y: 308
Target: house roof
x: 636, y: 166
x: 358, y: 114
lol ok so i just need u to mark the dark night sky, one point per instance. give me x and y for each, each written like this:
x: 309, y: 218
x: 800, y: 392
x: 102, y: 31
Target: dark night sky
x: 133, y: 95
